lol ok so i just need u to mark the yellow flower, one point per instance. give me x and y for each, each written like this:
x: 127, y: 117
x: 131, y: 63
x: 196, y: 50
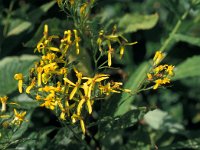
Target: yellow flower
x: 39, y: 76
x: 55, y: 49
x: 110, y: 51
x: 169, y: 70
x: 77, y: 39
x: 159, y: 69
x: 165, y: 80
x: 158, y: 58
x: 19, y: 77
x: 83, y: 9
x: 45, y: 33
x: 121, y: 51
x: 19, y: 117
x: 68, y: 35
x: 80, y: 105
x: 65, y: 110
x: 33, y: 82
x: 99, y: 40
x: 122, y: 47
x: 85, y: 98
x: 158, y: 83
x: 45, y: 78
x: 92, y: 81
x: 76, y: 86
x: 149, y: 76
x: 110, y: 87
x: 49, y: 101
x: 75, y: 117
x: 3, y: 102
x: 40, y: 46
x: 38, y: 97
x: 82, y: 125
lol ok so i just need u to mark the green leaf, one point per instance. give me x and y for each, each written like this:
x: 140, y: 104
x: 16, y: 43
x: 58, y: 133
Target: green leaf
x: 134, y: 22
x: 37, y: 13
x: 158, y: 119
x: 188, y: 39
x: 24, y: 102
x: 22, y: 26
x: 133, y: 83
x: 187, y: 144
x: 9, y: 66
x: 188, y: 68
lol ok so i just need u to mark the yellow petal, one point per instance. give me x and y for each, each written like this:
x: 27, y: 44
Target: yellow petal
x: 155, y: 86
x: 79, y: 107
x: 73, y: 92
x: 82, y: 126
x: 28, y: 89
x: 62, y: 116
x: 88, y: 103
x: 121, y: 51
x: 55, y: 49
x: 109, y: 59
x: 68, y: 81
x: 101, y: 79
x: 20, y: 82
x: 39, y: 79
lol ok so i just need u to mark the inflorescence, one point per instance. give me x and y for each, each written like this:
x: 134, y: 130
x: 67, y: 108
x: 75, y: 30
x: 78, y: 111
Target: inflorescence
x: 53, y: 84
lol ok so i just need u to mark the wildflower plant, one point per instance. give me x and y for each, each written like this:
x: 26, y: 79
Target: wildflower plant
x: 72, y: 78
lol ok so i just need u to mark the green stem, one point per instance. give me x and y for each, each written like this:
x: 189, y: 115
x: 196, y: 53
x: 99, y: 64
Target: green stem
x: 175, y: 29
x: 9, y: 14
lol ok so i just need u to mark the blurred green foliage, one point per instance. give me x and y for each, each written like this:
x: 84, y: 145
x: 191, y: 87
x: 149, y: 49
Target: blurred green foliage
x: 168, y: 118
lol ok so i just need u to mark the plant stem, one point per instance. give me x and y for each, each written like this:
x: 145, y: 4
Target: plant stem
x: 175, y: 29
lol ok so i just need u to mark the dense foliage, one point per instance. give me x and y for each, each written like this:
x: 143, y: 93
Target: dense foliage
x: 91, y: 74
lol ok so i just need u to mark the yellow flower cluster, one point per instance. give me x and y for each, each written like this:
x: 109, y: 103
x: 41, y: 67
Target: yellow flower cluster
x: 112, y: 38
x: 160, y: 74
x: 54, y: 86
x: 18, y: 118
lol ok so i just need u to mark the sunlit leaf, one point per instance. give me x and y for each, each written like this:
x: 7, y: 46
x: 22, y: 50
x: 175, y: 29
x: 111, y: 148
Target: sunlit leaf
x: 9, y: 66
x: 24, y: 25
x: 158, y: 119
x: 135, y: 22
x: 188, y: 68
x: 188, y: 39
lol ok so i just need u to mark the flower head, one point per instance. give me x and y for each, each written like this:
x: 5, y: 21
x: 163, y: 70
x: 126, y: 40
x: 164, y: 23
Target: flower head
x: 19, y: 117
x: 19, y: 77
x: 158, y: 58
x: 3, y: 102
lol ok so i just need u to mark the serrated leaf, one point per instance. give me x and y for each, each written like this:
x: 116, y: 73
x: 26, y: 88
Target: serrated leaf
x: 134, y: 22
x: 133, y: 83
x: 188, y: 39
x: 9, y: 66
x: 24, y: 25
x: 188, y: 68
